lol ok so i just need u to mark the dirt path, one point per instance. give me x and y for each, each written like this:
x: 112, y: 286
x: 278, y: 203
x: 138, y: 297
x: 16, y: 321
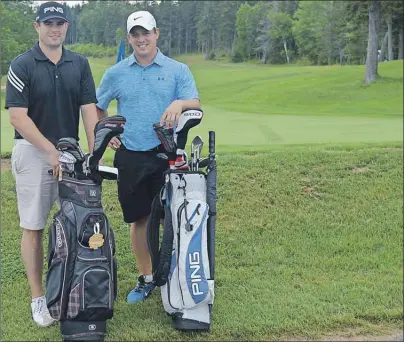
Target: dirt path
x: 5, y: 164
x: 396, y: 335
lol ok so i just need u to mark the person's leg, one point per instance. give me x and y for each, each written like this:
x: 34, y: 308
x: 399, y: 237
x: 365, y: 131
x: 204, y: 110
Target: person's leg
x: 138, y: 235
x: 32, y: 257
x: 36, y: 193
x: 134, y: 192
x: 147, y: 190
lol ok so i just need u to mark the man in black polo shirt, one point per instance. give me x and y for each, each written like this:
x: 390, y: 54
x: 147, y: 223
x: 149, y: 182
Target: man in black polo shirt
x: 47, y: 87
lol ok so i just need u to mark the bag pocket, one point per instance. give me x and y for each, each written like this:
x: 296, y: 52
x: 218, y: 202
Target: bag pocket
x: 54, y: 287
x: 92, y: 222
x: 193, y: 258
x: 96, y: 294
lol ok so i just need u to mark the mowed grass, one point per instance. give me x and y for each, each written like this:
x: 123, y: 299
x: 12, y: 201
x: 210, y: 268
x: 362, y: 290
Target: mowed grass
x: 309, y: 227
x: 256, y: 106
x: 309, y: 242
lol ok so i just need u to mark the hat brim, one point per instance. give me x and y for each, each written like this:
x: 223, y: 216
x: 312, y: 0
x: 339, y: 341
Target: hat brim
x: 53, y: 16
x: 145, y: 26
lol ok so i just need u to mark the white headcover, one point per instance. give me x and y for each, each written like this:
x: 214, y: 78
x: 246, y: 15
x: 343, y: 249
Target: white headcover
x: 190, y: 114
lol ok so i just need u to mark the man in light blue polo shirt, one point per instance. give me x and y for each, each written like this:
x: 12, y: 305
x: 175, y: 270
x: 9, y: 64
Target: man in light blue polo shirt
x: 149, y: 88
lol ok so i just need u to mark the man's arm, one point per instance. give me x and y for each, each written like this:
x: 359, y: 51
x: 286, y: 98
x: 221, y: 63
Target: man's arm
x: 90, y: 119
x: 190, y: 104
x: 187, y: 97
x: 101, y: 113
x: 175, y: 109
x: 25, y: 126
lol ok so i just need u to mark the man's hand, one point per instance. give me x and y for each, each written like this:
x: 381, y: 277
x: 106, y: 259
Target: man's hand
x: 53, y: 156
x: 171, y: 114
x: 114, y: 143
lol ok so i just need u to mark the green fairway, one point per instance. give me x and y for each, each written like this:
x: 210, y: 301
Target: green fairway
x: 287, y: 90
x: 309, y: 243
x: 258, y: 106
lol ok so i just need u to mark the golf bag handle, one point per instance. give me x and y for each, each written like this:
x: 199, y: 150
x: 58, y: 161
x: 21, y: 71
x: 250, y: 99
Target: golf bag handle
x: 212, y: 142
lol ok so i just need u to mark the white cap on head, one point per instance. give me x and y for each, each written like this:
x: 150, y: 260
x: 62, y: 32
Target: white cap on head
x: 141, y: 18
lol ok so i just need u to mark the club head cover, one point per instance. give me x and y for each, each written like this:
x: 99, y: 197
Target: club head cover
x: 189, y: 118
x: 166, y: 137
x: 104, y: 131
x: 72, y: 146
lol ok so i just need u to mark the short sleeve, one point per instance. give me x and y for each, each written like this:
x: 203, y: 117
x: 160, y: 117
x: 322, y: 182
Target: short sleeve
x: 87, y: 85
x: 105, y: 93
x: 17, y: 87
x: 186, y: 87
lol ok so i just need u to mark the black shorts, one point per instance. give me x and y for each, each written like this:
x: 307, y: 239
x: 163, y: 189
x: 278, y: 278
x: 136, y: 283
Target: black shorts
x: 141, y: 177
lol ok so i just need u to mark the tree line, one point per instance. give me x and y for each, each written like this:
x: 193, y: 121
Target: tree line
x: 275, y: 32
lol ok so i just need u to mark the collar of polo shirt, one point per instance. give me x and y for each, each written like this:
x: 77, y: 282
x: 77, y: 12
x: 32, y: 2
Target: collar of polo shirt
x: 39, y: 55
x: 159, y: 59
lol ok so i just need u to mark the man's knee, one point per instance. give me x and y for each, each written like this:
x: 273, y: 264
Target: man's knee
x: 33, y: 238
x: 140, y: 222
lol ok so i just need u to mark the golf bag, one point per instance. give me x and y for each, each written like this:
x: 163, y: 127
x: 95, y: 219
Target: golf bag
x: 183, y: 266
x: 81, y: 281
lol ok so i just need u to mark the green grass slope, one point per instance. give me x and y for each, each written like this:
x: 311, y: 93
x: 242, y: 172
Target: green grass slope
x: 309, y: 242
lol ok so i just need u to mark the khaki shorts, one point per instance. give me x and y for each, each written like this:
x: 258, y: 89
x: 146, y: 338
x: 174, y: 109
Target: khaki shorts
x: 36, y: 190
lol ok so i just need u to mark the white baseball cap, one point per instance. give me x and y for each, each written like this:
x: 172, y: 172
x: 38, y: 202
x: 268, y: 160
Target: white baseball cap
x: 141, y: 18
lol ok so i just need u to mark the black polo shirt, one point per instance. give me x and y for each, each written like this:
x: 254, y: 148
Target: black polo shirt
x: 52, y: 93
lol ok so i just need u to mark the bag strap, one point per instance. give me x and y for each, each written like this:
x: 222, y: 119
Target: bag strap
x: 160, y: 256
x: 166, y: 250
x: 153, y: 232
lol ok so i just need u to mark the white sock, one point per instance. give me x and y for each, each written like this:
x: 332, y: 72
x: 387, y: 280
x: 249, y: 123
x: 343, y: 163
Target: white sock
x: 148, y: 278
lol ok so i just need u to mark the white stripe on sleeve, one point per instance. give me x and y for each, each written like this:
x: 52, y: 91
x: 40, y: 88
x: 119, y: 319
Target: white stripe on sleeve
x: 13, y: 82
x: 21, y: 83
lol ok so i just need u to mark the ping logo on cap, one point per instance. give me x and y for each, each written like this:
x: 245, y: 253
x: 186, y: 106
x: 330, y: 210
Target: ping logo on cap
x: 53, y: 9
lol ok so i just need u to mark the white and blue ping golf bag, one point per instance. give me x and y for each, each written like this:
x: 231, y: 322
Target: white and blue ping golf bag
x: 183, y: 266
x: 81, y: 282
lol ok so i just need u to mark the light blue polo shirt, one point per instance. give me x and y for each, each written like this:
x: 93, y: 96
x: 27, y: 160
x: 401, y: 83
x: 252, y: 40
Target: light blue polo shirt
x: 143, y: 94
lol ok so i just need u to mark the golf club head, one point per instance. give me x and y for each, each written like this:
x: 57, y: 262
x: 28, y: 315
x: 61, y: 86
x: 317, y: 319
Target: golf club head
x: 188, y: 119
x: 70, y: 145
x: 67, y: 162
x: 198, y: 145
x: 198, y: 142
x: 204, y: 162
x: 104, y: 131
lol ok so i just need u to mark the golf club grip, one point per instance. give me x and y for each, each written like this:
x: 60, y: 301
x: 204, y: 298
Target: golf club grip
x: 211, y: 142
